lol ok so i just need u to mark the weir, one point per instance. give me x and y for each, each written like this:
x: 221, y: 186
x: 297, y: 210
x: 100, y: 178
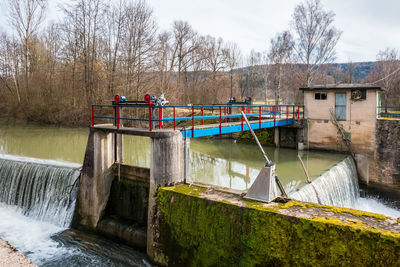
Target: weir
x: 336, y: 187
x: 43, y: 190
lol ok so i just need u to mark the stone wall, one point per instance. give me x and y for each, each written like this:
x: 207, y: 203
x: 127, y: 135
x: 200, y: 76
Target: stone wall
x: 387, y: 153
x: 202, y: 227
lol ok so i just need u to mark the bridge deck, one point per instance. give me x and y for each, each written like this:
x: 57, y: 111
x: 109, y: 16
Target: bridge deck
x: 232, y: 127
x: 199, y: 130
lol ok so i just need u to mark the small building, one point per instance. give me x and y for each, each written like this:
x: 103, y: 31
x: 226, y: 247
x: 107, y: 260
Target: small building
x: 355, y: 108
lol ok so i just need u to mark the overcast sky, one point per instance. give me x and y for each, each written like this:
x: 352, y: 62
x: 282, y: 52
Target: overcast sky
x: 368, y: 25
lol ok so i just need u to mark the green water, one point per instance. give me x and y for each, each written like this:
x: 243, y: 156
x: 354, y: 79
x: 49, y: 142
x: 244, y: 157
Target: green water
x: 220, y: 162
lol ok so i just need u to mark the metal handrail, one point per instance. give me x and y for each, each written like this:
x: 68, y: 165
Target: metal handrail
x: 260, y: 111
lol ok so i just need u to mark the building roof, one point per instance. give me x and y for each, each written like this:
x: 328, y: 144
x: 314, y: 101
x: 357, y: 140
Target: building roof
x: 342, y: 86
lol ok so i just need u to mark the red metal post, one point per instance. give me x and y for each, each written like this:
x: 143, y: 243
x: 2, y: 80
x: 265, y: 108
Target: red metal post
x: 160, y: 115
x: 293, y: 112
x: 150, y: 122
x: 174, y: 118
x: 259, y: 116
x: 226, y: 120
x: 192, y: 121
x: 274, y: 115
x: 298, y: 112
x: 220, y: 119
x: 92, y: 115
x: 202, y: 114
x: 117, y: 117
x: 248, y: 109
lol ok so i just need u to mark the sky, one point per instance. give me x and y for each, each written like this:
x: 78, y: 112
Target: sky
x: 367, y: 25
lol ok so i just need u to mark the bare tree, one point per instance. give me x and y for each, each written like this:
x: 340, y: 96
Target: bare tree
x: 252, y: 78
x: 139, y: 44
x: 26, y: 17
x: 115, y: 19
x: 386, y: 74
x: 183, y: 46
x: 10, y: 61
x: 280, y: 55
x: 233, y: 59
x: 316, y: 38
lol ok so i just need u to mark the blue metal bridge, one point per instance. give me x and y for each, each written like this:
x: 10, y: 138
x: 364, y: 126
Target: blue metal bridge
x: 194, y: 120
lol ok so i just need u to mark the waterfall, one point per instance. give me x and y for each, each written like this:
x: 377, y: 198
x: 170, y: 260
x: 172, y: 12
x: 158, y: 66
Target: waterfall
x: 336, y: 187
x: 43, y: 190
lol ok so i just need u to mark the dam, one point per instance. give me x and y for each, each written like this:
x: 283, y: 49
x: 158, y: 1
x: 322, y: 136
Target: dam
x: 232, y: 169
x: 160, y: 192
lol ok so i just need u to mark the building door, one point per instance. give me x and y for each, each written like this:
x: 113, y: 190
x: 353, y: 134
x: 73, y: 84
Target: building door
x: 340, y: 106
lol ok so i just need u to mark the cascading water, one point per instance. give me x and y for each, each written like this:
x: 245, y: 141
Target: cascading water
x: 336, y: 187
x: 37, y: 202
x: 42, y: 190
x: 339, y: 187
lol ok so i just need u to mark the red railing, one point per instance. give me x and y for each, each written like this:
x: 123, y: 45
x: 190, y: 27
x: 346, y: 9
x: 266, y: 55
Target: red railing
x: 254, y: 112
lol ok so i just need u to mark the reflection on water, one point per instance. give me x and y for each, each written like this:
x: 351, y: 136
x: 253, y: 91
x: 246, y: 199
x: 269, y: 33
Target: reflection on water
x: 225, y: 163
x: 218, y: 162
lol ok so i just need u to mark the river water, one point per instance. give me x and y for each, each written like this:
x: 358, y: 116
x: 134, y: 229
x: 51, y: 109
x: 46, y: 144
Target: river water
x: 212, y: 161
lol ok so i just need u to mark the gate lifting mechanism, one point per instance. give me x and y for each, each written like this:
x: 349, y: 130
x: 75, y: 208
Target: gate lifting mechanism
x: 264, y: 187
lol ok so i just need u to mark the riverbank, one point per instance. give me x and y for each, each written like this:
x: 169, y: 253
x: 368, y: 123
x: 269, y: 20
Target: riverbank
x: 10, y: 256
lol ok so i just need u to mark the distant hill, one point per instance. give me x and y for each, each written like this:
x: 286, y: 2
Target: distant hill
x: 362, y: 69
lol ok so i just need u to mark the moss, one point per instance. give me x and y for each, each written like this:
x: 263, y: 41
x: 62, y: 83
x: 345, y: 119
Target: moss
x: 295, y: 203
x: 354, y: 212
x: 398, y: 220
x: 195, y: 231
x: 358, y: 213
x: 265, y: 136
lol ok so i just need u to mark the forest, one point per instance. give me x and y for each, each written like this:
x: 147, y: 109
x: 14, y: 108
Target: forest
x: 53, y: 71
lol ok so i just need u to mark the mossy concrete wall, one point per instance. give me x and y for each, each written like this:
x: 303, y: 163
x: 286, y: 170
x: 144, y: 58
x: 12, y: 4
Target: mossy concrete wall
x: 129, y: 195
x: 125, y: 218
x: 203, y: 227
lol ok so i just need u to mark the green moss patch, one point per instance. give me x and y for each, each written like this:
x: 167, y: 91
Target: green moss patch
x: 265, y: 136
x: 197, y: 231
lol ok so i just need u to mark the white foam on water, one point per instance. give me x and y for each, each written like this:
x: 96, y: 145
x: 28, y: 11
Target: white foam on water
x: 376, y: 206
x: 339, y: 187
x: 32, y: 238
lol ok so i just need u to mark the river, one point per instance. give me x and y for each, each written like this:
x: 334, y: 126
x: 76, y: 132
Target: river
x: 212, y: 161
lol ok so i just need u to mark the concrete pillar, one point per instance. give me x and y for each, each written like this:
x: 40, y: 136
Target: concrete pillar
x: 276, y: 137
x: 95, y: 181
x: 166, y: 169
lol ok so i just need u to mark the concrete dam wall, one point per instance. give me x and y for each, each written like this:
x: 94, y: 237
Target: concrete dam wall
x: 200, y: 227
x: 186, y: 225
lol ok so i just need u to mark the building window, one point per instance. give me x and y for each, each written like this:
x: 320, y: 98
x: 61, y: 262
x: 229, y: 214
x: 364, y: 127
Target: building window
x: 320, y: 96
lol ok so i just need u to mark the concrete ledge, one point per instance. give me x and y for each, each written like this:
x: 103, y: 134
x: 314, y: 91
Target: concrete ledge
x: 200, y: 227
x: 165, y: 133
